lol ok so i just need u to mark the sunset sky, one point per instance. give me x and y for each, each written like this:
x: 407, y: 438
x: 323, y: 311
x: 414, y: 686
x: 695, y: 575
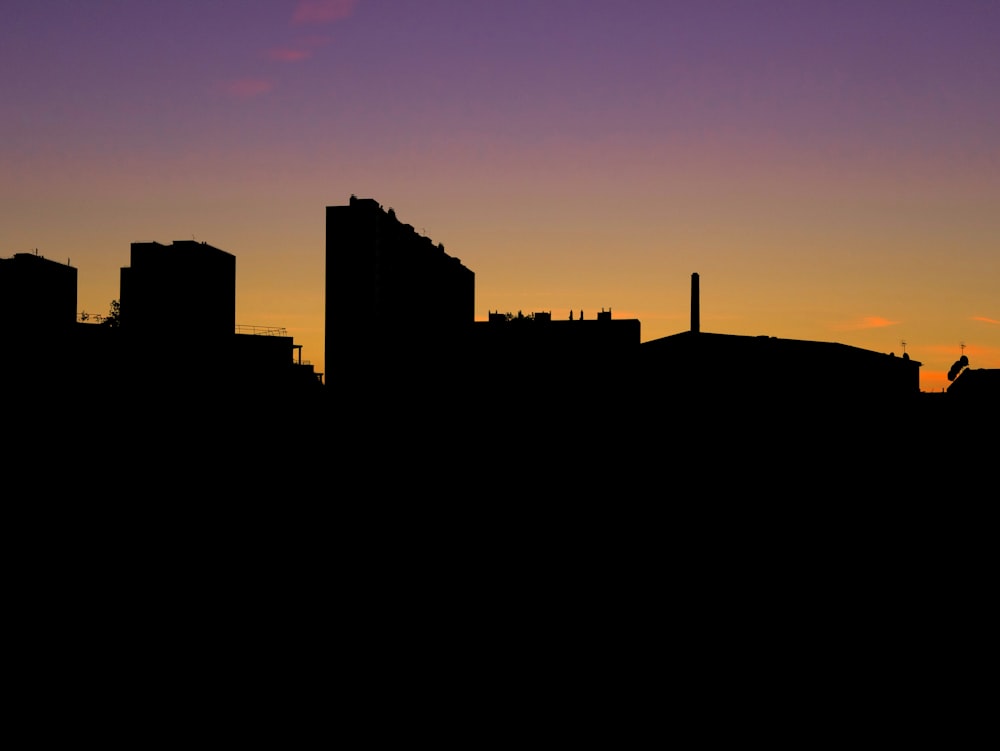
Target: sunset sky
x: 830, y: 168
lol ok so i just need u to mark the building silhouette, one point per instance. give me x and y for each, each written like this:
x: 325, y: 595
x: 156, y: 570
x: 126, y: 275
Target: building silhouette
x: 399, y: 321
x: 38, y: 293
x: 395, y: 301
x: 404, y: 354
x: 38, y: 298
x: 772, y: 370
x: 573, y: 366
x: 182, y: 287
x: 178, y: 323
x: 173, y: 345
x: 977, y: 387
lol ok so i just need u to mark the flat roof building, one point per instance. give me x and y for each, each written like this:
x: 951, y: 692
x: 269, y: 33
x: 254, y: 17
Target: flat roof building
x: 183, y: 288
x: 36, y: 293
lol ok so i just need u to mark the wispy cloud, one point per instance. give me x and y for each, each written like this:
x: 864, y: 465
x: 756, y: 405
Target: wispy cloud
x: 322, y: 11
x: 297, y: 51
x: 866, y: 322
x: 984, y: 319
x: 287, y: 54
x: 307, y: 12
x: 247, y: 88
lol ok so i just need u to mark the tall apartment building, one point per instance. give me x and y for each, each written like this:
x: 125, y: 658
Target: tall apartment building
x: 393, y: 297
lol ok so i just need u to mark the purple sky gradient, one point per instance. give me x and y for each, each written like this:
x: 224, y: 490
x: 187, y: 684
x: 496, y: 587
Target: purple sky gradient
x: 831, y: 169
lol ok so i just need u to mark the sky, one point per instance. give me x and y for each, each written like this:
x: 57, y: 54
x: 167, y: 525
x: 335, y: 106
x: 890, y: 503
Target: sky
x: 830, y: 169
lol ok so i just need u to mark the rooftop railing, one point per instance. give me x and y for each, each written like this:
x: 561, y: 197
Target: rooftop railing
x: 262, y: 330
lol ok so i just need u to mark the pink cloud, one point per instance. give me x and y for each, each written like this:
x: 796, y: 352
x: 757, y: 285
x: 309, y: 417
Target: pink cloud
x: 287, y: 55
x: 984, y: 319
x: 866, y: 322
x: 247, y: 88
x: 322, y: 11
x: 297, y: 51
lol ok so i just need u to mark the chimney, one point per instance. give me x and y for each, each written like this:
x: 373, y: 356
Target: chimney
x: 695, y: 305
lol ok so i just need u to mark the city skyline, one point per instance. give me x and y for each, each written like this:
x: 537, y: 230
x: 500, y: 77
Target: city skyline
x: 830, y: 171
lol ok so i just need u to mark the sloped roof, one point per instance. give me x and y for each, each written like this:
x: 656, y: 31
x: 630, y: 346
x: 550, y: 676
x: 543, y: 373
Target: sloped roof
x: 741, y: 346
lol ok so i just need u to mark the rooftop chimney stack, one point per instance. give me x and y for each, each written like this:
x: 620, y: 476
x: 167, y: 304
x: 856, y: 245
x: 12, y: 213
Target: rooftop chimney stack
x: 695, y: 305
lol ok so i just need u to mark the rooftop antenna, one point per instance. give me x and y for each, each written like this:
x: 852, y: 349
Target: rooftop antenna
x: 903, y: 342
x: 962, y: 345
